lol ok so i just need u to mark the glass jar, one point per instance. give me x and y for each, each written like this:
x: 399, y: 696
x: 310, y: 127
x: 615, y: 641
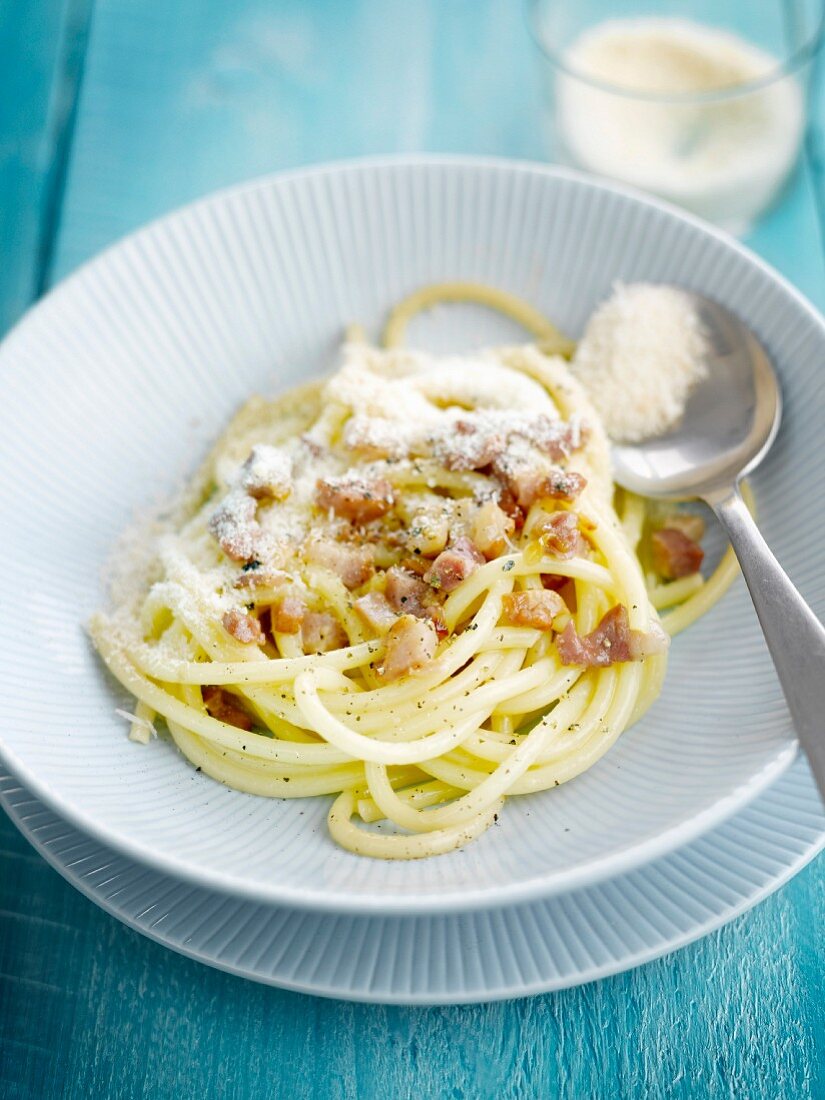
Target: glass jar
x: 700, y: 102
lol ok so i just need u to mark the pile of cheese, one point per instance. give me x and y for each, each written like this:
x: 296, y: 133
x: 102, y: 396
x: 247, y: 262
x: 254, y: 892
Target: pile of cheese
x: 642, y: 353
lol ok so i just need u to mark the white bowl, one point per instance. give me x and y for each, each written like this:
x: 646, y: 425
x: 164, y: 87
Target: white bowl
x: 111, y: 388
x: 547, y: 944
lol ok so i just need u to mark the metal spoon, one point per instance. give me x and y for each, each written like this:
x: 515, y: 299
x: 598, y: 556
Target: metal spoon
x: 729, y: 424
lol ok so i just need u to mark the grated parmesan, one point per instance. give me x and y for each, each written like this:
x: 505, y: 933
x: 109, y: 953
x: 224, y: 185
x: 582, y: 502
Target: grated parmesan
x: 142, y: 731
x: 642, y: 353
x: 267, y: 472
x: 463, y: 412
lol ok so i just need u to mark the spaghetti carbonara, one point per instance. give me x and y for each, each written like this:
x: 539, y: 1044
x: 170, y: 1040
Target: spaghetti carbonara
x: 408, y: 587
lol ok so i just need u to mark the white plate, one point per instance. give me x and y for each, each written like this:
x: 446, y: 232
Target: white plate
x: 460, y: 957
x: 110, y: 388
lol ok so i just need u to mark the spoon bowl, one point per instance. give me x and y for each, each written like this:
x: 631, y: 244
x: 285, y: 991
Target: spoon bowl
x: 730, y: 421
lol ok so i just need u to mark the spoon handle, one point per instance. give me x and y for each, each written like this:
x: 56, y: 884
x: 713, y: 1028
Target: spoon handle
x: 795, y: 637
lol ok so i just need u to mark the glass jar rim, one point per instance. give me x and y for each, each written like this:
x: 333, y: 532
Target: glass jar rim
x: 786, y: 67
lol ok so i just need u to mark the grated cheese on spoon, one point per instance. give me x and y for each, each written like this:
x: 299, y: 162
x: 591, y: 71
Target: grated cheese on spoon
x: 642, y: 353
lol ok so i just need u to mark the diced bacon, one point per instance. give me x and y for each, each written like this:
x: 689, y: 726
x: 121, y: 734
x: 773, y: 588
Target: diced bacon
x: 411, y: 644
x: 234, y: 526
x: 265, y: 620
x: 608, y: 644
x: 353, y: 564
x: 375, y: 612
x: 565, y: 586
x: 688, y: 523
x: 528, y: 483
x: 243, y: 628
x: 454, y: 565
x: 562, y: 484
x: 288, y: 615
x: 490, y: 530
x: 612, y: 642
x: 523, y: 481
x: 569, y: 594
x: 536, y: 607
x: 267, y: 473
x: 223, y: 705
x: 468, y: 446
x: 356, y: 499
x: 481, y: 437
x: 560, y: 534
x: 508, y: 505
x: 321, y: 632
x: 466, y: 546
x: 559, y: 439
x: 405, y: 592
x: 674, y: 554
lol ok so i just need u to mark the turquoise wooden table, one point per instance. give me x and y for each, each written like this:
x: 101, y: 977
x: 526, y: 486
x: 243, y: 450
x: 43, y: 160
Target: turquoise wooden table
x: 112, y: 112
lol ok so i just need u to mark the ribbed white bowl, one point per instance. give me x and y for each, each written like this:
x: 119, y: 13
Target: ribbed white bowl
x: 449, y: 958
x: 110, y: 389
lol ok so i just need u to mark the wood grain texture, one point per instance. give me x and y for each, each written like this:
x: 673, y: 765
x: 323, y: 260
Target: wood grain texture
x: 178, y: 98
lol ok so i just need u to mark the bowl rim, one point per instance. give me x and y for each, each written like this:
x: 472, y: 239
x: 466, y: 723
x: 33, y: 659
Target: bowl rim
x: 641, y: 956
x: 456, y: 899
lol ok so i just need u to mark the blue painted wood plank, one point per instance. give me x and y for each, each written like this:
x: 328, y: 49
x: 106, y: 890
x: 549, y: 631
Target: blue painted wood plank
x: 41, y: 42
x: 192, y: 96
x: 788, y: 237
x: 89, y: 1008
x: 185, y: 96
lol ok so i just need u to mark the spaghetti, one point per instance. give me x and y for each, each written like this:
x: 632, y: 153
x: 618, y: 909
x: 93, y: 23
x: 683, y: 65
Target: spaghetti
x: 407, y: 587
